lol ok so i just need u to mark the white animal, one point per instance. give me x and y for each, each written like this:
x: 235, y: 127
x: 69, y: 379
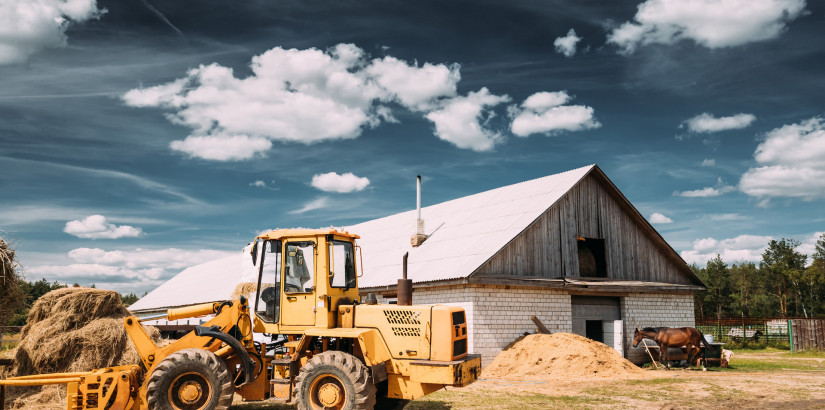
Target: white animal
x: 726, y: 356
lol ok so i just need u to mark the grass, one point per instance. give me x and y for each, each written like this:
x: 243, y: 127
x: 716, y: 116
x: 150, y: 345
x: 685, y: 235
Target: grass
x: 458, y: 400
x: 10, y: 341
x: 452, y: 399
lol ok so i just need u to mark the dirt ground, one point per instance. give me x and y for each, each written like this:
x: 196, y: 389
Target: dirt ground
x: 755, y: 381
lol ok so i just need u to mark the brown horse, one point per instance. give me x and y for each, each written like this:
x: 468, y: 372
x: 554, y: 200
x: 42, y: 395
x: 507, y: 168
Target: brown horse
x: 667, y: 337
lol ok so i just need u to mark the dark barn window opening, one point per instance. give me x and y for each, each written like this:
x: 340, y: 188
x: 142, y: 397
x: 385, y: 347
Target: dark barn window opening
x: 592, y: 260
x: 594, y: 330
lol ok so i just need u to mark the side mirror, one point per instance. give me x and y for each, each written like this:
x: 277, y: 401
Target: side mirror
x: 255, y: 253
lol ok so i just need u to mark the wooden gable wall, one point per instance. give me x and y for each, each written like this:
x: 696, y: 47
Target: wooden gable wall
x: 593, y: 208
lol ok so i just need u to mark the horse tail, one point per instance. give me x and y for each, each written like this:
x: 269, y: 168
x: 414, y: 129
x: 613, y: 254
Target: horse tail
x: 704, y: 341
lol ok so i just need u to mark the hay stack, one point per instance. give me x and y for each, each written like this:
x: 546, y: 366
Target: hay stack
x: 75, y: 329
x: 10, y: 293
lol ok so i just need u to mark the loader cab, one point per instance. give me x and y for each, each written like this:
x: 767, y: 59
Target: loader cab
x: 303, y: 275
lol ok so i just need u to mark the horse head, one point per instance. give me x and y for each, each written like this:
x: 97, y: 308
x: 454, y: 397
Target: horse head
x: 637, y: 337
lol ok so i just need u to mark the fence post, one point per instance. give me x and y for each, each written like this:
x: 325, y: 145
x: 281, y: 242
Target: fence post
x: 790, y: 334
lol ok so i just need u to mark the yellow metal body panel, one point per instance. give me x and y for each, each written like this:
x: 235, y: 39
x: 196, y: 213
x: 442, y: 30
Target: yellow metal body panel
x: 371, y: 343
x: 454, y: 373
x: 298, y: 309
x: 280, y: 234
x: 445, y: 333
x: 400, y: 387
x: 406, y: 329
x: 202, y: 309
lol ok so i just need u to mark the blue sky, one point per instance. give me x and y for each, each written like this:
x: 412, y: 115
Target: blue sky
x: 138, y: 138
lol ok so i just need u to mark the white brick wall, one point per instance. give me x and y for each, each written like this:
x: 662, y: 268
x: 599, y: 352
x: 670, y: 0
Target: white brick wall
x: 653, y: 310
x: 497, y: 315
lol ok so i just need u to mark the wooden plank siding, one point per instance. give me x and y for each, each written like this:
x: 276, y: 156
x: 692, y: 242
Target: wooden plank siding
x: 593, y: 208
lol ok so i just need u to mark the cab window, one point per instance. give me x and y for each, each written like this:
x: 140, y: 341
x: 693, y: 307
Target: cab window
x: 268, y: 302
x: 299, y: 267
x: 342, y: 265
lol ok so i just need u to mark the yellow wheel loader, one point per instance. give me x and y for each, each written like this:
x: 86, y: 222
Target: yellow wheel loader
x: 326, y: 350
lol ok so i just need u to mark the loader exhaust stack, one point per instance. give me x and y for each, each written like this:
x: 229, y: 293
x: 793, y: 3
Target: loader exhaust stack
x: 405, y: 286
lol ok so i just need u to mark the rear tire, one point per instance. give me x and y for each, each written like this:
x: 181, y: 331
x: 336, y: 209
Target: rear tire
x: 190, y: 379
x: 334, y: 380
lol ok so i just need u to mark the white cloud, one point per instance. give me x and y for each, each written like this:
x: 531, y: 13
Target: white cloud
x: 545, y: 112
x: 220, y: 147
x: 567, y: 45
x: 709, y: 23
x: 707, y: 123
x: 793, y: 162
x: 96, y: 227
x: 709, y: 163
x: 707, y: 192
x: 303, y: 96
x: 414, y: 87
x: 317, y: 203
x: 332, y: 182
x: 258, y: 184
x: 720, y: 189
x: 462, y: 120
x: 747, y: 248
x: 657, y: 218
x: 727, y: 217
x: 28, y: 26
x: 808, y: 245
x: 123, y: 269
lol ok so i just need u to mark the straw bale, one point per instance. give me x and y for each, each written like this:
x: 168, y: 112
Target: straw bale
x: 244, y: 289
x: 71, y: 330
x: 75, y: 329
x: 10, y: 292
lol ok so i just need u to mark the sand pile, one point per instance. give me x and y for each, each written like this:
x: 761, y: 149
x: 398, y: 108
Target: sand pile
x: 559, y: 355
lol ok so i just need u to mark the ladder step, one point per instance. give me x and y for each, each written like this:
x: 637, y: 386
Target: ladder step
x: 281, y: 362
x: 293, y: 344
x: 280, y: 381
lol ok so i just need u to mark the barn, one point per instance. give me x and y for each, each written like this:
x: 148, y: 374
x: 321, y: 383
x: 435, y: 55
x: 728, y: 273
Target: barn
x: 568, y: 248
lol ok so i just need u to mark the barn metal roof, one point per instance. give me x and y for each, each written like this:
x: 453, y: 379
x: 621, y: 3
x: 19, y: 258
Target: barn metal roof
x: 207, y: 282
x: 463, y: 233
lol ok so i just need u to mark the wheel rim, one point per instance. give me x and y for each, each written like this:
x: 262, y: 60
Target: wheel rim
x: 189, y: 391
x: 327, y: 392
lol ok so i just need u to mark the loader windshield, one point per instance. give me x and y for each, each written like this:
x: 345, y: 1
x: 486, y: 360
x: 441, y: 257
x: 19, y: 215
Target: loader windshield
x: 342, y: 265
x: 300, y: 266
x: 269, y: 284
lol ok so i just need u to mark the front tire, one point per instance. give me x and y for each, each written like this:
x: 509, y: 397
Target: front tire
x: 334, y: 380
x: 190, y: 379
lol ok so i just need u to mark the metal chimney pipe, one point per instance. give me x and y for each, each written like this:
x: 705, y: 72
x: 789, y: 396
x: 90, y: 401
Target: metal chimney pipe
x: 404, y: 286
x: 418, y: 197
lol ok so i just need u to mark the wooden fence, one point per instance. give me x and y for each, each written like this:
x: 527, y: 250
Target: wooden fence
x: 808, y: 334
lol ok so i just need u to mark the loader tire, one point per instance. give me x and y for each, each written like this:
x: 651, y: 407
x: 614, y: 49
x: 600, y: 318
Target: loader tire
x: 334, y: 380
x: 190, y: 379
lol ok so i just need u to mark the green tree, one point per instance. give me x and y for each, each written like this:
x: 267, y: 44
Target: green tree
x: 33, y: 291
x: 784, y: 272
x: 718, y: 299
x: 815, y: 274
x: 745, y: 288
x: 128, y: 299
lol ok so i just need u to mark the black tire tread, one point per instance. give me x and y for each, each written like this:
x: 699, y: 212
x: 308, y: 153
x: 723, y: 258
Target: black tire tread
x: 215, y: 364
x: 355, y: 370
